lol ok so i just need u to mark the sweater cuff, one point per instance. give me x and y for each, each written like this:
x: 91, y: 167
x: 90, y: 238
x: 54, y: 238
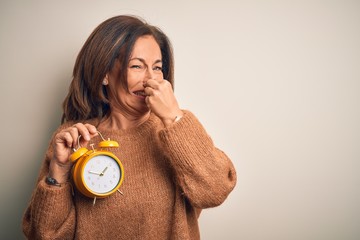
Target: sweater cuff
x: 51, y: 202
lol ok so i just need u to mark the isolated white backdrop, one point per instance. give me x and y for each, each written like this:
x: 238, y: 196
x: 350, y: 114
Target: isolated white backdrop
x: 275, y: 83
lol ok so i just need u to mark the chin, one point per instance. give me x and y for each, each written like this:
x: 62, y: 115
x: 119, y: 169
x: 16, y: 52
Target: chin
x: 143, y: 109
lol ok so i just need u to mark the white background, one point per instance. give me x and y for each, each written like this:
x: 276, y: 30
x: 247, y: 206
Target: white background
x: 275, y: 83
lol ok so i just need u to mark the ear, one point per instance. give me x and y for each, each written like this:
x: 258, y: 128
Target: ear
x: 106, y: 80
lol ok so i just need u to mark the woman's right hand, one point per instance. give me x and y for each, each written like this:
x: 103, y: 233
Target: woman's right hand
x: 64, y: 142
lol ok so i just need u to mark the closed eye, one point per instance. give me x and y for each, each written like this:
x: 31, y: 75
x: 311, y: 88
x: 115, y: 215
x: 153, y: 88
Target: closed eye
x: 136, y: 66
x: 157, y: 68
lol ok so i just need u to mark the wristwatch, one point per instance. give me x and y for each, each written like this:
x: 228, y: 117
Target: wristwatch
x: 52, y: 181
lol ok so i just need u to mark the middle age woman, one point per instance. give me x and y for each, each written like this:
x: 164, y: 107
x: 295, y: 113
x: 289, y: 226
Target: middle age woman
x: 123, y: 87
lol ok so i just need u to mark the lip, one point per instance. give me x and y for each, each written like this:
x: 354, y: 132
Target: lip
x: 139, y: 93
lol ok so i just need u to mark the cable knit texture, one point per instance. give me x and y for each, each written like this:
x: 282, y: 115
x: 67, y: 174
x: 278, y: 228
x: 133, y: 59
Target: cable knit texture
x: 170, y: 175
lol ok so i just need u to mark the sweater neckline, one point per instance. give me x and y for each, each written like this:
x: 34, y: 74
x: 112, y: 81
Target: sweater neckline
x: 140, y: 130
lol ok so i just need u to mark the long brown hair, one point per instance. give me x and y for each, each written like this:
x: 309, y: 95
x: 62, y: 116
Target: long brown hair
x: 112, y: 40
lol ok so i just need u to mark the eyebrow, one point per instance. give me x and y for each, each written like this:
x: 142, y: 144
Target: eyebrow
x: 143, y: 60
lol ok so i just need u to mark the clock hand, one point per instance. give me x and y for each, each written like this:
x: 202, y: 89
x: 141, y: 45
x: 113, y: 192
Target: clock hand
x: 95, y: 173
x: 103, y: 172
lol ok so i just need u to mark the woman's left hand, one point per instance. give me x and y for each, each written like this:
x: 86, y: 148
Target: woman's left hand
x: 161, y: 100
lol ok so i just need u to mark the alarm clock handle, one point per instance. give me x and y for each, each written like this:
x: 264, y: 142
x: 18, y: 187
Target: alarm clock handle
x: 107, y: 143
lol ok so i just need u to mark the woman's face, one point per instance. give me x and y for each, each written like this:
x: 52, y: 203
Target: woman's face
x: 145, y: 63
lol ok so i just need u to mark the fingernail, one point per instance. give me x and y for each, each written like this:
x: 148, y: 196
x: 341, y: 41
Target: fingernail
x: 87, y: 137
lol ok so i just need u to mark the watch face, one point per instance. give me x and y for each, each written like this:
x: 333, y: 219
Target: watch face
x: 101, y: 174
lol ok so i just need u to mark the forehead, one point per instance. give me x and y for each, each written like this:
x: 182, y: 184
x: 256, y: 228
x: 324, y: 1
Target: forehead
x: 146, y: 47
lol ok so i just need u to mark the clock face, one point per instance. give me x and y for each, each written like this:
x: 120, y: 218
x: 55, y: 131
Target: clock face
x: 101, y: 174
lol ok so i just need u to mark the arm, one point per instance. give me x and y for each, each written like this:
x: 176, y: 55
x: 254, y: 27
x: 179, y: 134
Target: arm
x: 204, y: 173
x: 51, y: 211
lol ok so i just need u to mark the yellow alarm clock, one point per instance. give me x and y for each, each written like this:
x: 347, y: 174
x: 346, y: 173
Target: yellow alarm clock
x: 97, y: 173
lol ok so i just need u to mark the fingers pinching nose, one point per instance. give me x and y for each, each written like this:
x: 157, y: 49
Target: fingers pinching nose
x: 145, y: 83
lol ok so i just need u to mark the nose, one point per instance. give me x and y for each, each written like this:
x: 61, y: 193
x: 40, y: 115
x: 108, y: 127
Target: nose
x: 150, y: 74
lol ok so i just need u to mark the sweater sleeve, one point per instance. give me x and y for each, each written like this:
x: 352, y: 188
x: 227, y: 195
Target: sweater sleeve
x: 204, y: 173
x: 51, y: 212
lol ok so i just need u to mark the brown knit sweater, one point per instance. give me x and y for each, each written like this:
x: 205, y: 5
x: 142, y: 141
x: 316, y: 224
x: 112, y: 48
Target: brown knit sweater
x: 170, y: 175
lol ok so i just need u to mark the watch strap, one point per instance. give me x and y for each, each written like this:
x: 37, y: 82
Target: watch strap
x: 52, y: 181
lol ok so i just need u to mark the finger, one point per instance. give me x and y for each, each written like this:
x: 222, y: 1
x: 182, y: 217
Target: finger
x: 64, y: 138
x: 153, y: 83
x: 74, y: 133
x: 83, y: 131
x: 147, y: 101
x: 92, y: 130
x: 149, y: 91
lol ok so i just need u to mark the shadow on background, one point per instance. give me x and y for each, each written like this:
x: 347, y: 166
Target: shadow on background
x: 14, y: 202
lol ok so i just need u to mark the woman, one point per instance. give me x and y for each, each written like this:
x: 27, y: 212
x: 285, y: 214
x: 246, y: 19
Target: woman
x: 123, y: 88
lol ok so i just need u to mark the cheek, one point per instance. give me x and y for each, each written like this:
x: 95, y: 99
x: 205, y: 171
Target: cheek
x: 135, y: 80
x: 159, y: 75
x: 115, y: 91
